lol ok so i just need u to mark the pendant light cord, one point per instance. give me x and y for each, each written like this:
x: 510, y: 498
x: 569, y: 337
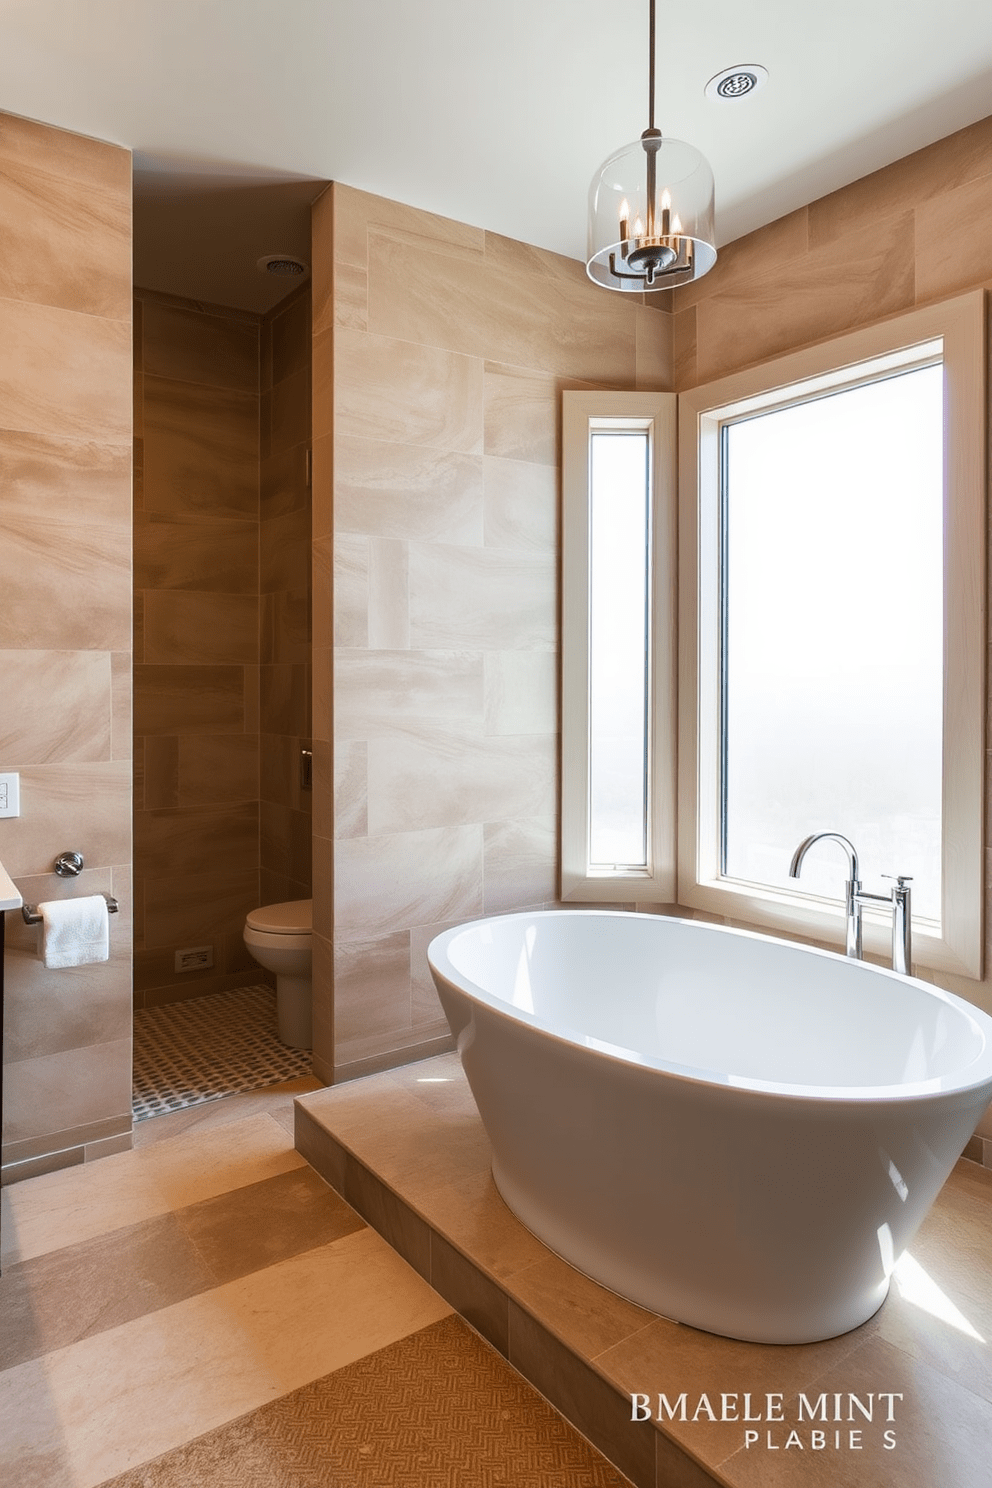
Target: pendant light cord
x: 651, y: 68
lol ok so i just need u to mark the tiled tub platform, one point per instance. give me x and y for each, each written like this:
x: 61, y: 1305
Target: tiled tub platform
x: 407, y: 1150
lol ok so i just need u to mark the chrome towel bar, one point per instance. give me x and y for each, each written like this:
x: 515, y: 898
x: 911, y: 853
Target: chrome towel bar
x: 32, y: 917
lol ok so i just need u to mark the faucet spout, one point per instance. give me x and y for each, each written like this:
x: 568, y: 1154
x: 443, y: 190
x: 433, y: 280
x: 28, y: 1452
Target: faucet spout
x: 852, y: 889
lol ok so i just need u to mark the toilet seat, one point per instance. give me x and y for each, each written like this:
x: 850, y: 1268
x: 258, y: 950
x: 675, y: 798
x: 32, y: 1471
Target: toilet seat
x: 294, y: 917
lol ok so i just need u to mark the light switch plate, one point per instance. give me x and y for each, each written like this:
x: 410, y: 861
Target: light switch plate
x: 10, y: 795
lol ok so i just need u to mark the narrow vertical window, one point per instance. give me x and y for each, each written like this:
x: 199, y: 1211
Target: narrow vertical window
x: 619, y: 646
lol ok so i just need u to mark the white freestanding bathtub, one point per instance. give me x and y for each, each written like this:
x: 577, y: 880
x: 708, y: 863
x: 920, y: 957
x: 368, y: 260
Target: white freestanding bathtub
x: 737, y: 1132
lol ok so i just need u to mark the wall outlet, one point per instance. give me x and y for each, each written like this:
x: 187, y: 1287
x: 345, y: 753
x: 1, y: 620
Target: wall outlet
x: 10, y: 795
x: 196, y: 958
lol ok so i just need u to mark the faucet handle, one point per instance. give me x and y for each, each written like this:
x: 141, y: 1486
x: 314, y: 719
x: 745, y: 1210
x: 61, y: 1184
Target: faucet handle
x: 899, y: 878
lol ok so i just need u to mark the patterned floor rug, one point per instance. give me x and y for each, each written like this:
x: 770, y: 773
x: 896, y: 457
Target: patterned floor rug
x: 438, y: 1409
x: 189, y: 1052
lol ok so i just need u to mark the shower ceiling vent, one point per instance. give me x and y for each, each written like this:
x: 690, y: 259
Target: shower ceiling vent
x: 285, y: 264
x: 736, y: 82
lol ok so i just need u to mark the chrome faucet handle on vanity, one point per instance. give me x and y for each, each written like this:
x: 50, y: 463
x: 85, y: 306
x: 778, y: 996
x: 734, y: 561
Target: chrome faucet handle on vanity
x: 855, y: 898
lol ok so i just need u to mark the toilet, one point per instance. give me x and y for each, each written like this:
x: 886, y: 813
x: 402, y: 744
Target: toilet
x: 279, y: 937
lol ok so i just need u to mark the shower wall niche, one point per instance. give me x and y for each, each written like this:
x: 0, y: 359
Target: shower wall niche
x: 221, y: 631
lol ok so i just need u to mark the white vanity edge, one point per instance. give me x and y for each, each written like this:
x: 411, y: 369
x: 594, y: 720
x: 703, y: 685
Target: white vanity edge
x: 9, y: 897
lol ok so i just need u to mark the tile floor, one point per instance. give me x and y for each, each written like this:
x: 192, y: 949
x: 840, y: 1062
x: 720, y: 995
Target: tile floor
x: 204, y: 1048
x: 407, y: 1150
x: 205, y: 1310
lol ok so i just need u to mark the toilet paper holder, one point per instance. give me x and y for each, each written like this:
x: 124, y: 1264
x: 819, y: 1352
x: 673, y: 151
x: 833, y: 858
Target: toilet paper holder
x: 67, y: 865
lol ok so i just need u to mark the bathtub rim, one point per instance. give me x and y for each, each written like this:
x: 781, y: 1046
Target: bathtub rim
x: 967, y: 1079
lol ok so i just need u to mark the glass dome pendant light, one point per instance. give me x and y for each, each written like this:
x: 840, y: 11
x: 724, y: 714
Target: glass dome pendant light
x: 651, y: 211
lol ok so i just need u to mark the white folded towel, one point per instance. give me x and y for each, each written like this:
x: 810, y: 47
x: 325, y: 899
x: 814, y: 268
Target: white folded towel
x: 75, y: 932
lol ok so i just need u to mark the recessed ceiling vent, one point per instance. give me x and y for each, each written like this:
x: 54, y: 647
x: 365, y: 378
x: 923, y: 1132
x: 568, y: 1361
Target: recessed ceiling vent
x: 281, y: 263
x: 736, y: 82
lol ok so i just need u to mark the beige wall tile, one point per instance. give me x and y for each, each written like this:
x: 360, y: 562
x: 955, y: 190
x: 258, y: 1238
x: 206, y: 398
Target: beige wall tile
x: 522, y: 306
x: 189, y: 699
x: 425, y: 1008
x: 285, y: 625
x: 684, y: 351
x: 65, y: 373
x: 522, y: 413
x: 322, y: 389
x: 493, y: 599
x: 351, y: 296
x: 397, y: 391
x: 76, y: 726
x: 441, y: 778
x: 520, y: 864
x: 776, y: 243
x: 350, y: 589
x: 121, y: 708
x: 183, y: 626
x: 389, y: 610
x: 849, y: 283
x: 521, y: 504
x: 41, y: 147
x: 356, y: 211
x: 372, y: 986
x: 278, y: 776
x: 48, y: 1014
x: 67, y: 239
x: 379, y: 692
x: 654, y: 359
x: 407, y: 491
x: 184, y: 344
x: 953, y: 251
x: 200, y: 449
x: 918, y: 177
x: 385, y: 884
x: 521, y: 692
x: 351, y: 791
x: 55, y: 1092
x: 285, y: 841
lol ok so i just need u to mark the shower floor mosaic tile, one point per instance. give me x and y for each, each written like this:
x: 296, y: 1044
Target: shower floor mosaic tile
x: 189, y: 1052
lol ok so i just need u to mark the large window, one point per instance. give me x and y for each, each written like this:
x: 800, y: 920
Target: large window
x: 830, y: 635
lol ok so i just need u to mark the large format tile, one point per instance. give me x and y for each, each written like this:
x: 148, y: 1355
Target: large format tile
x: 407, y: 491
x: 64, y: 1209
x: 405, y: 393
x: 46, y: 209
x: 201, y: 449
x: 71, y: 1088
x: 491, y: 598
x: 94, y: 796
x: 182, y: 626
x: 443, y: 777
x: 185, y: 344
x: 66, y: 555
x: 127, y: 1395
x: 388, y: 883
x: 185, y: 552
x: 189, y: 698
x: 65, y: 371
x: 386, y: 692
x: 521, y: 504
x: 78, y: 728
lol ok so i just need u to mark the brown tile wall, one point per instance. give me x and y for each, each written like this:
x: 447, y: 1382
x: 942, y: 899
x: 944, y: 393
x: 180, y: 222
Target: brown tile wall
x: 196, y: 642
x: 284, y: 586
x: 439, y: 355
x: 917, y: 232
x: 65, y: 626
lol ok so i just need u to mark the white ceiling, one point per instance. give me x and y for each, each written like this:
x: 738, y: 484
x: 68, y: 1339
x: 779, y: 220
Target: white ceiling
x: 495, y: 112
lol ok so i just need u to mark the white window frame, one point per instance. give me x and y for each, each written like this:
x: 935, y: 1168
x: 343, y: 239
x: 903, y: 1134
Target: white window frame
x: 582, y: 414
x: 959, y: 324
